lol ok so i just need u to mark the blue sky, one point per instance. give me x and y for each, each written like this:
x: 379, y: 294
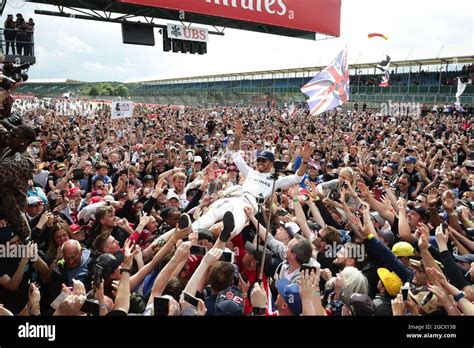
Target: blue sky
x: 93, y: 51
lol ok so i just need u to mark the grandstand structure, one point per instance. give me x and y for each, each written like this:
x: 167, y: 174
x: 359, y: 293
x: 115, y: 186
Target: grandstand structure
x: 425, y: 81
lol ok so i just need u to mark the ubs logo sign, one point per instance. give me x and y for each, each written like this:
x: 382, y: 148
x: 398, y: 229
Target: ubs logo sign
x: 181, y: 32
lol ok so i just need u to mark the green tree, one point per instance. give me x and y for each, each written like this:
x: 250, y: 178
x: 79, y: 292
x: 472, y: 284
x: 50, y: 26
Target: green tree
x: 94, y: 91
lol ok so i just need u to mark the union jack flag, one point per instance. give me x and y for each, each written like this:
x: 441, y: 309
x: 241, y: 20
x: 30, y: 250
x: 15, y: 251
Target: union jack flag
x: 329, y: 88
x: 385, y: 79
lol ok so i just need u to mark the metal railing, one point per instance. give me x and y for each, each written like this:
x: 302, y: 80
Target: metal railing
x: 14, y: 50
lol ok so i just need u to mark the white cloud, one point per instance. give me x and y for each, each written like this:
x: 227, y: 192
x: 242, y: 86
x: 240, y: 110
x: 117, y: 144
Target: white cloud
x: 72, y: 44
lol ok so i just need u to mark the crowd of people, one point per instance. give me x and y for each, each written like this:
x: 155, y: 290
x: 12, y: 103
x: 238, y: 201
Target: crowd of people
x: 18, y: 35
x: 175, y: 212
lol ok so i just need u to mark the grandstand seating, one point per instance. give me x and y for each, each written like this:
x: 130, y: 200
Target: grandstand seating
x: 420, y: 86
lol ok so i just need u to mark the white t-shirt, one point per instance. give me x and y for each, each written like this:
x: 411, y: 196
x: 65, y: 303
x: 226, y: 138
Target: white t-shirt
x: 256, y: 182
x: 183, y: 202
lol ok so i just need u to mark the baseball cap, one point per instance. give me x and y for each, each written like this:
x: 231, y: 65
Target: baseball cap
x: 109, y: 262
x: 197, y: 159
x: 387, y: 236
x: 410, y: 159
x: 59, y: 166
x: 464, y: 258
x: 229, y: 302
x: 422, y: 212
x: 74, y: 228
x: 418, y: 264
x: 390, y: 280
x: 148, y: 178
x: 32, y: 200
x: 72, y: 191
x: 291, y: 294
x: 6, y: 234
x: 292, y: 228
x: 403, y: 249
x: 360, y: 304
x: 418, y: 294
x: 138, y: 146
x: 95, y: 199
x: 377, y: 217
x: 267, y: 155
x: 257, y: 253
x: 171, y: 195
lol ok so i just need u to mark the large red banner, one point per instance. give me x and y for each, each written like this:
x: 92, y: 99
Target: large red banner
x: 318, y: 16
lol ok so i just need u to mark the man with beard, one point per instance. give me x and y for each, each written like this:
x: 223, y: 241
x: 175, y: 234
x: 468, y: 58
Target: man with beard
x: 352, y: 254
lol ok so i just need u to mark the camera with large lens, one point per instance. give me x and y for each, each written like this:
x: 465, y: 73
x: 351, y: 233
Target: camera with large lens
x: 13, y: 73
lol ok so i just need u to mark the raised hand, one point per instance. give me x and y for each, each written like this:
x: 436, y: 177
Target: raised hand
x: 306, y: 152
x: 364, y: 190
x: 182, y: 252
x: 180, y: 234
x: 129, y: 252
x: 258, y: 296
x: 34, y: 298
x: 212, y: 256
x: 238, y: 128
x: 441, y: 237
x: 398, y: 306
x: 244, y: 286
x: 402, y: 205
x: 433, y: 197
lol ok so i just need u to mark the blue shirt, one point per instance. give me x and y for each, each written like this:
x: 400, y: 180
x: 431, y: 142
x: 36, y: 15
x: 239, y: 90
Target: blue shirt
x: 106, y: 179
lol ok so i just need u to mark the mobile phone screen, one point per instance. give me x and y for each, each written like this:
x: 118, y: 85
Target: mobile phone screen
x: 227, y: 257
x: 97, y: 275
x: 198, y: 250
x: 161, y: 306
x: 190, y: 299
x: 90, y: 307
x: 58, y: 300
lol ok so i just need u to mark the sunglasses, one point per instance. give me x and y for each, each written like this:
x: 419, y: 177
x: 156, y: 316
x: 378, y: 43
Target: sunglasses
x: 402, y: 183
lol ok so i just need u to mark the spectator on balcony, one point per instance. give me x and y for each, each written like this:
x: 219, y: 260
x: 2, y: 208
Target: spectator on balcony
x: 21, y: 35
x: 9, y: 34
x: 31, y: 28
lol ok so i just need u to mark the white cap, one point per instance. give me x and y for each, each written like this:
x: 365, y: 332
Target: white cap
x: 292, y: 228
x: 229, y: 132
x: 34, y: 200
x: 172, y: 194
x: 296, y: 137
x: 197, y: 159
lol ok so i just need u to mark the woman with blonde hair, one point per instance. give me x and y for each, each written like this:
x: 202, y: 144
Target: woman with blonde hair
x: 346, y: 179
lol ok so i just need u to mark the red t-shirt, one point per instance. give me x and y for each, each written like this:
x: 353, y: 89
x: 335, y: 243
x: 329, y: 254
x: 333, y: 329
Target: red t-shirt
x: 239, y: 250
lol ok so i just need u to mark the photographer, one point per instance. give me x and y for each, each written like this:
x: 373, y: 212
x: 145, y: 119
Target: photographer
x: 16, y: 168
